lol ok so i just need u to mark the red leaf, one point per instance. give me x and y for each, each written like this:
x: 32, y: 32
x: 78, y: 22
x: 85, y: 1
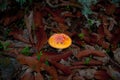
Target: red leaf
x: 92, y: 62
x: 51, y: 70
x: 102, y: 75
x: 88, y: 52
x: 30, y: 61
x: 78, y: 67
x: 102, y: 43
x: 41, y: 38
x: 37, y: 17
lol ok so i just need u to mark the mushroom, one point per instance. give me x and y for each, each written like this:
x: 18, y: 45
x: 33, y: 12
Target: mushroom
x: 60, y: 41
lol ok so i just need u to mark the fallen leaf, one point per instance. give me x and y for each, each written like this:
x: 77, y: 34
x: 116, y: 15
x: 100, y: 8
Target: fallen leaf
x: 41, y: 38
x: 88, y: 52
x: 92, y: 62
x: 37, y: 17
x: 30, y: 61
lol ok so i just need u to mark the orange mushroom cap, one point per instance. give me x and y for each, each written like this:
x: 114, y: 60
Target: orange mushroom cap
x: 59, y: 41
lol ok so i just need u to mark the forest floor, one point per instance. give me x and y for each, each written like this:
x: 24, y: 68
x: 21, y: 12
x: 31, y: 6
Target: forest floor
x: 94, y: 29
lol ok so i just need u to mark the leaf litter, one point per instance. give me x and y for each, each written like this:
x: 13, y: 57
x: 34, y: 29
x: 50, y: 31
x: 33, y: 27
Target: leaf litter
x: 93, y: 28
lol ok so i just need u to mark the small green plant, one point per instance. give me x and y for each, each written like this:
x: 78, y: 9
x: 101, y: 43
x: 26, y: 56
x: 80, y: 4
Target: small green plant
x: 87, y: 60
x: 67, y: 7
x: 4, y: 45
x: 110, y: 52
x: 26, y: 51
x: 49, y: 14
x: 39, y: 55
x: 90, y: 22
x: 47, y: 63
x: 81, y: 35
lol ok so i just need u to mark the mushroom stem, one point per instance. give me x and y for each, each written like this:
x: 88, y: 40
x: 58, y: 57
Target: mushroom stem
x: 59, y: 50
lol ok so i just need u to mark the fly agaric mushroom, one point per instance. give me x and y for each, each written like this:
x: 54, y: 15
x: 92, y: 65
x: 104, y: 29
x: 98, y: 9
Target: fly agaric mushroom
x: 59, y: 41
